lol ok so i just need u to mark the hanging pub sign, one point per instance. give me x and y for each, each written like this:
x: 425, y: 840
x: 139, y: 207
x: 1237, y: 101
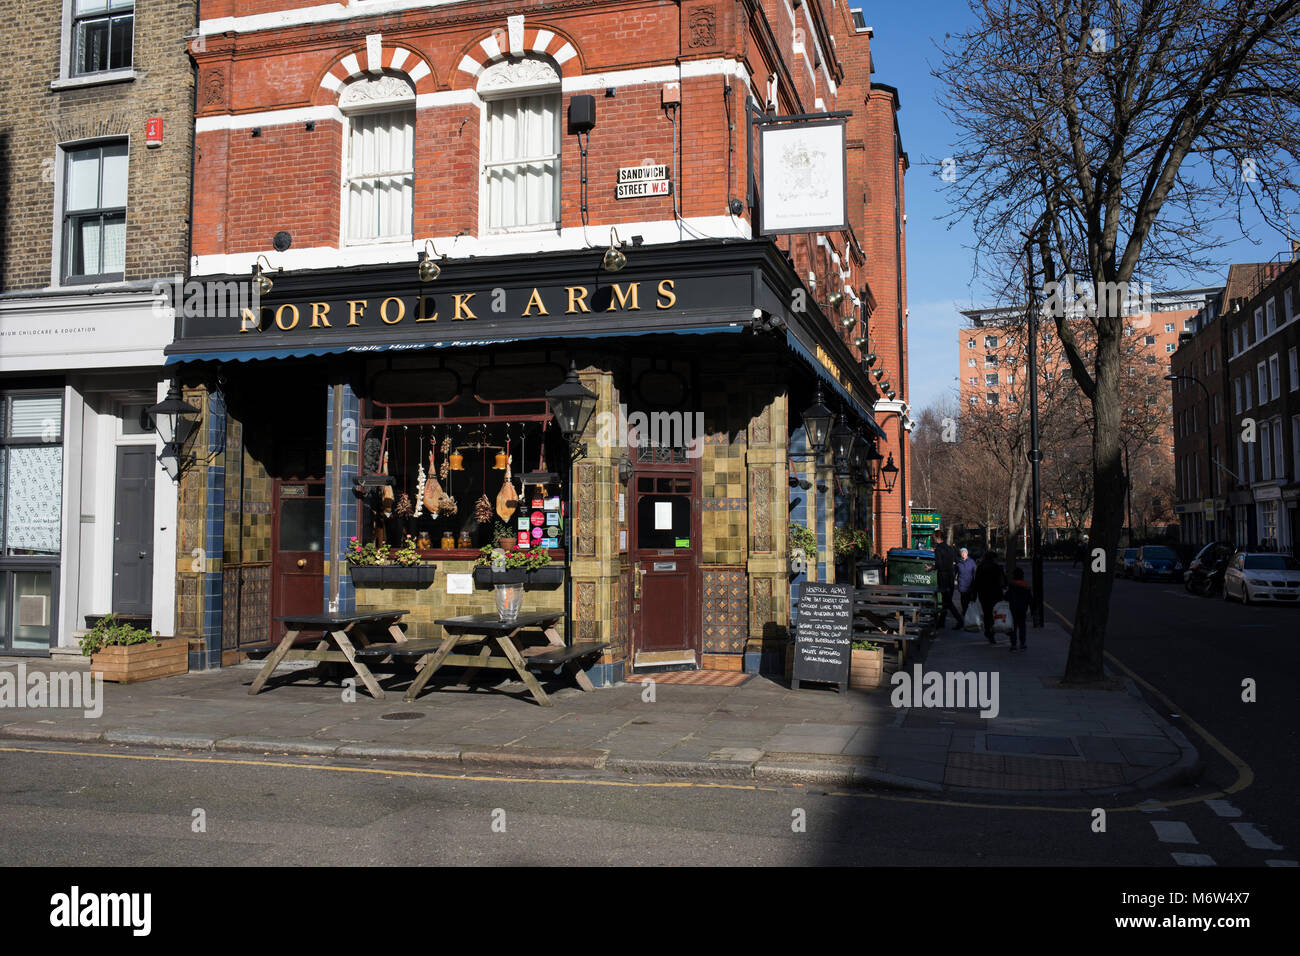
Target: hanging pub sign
x: 647, y: 180
x: 803, y: 177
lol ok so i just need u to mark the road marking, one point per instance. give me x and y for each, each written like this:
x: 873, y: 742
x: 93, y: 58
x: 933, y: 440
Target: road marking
x: 1171, y: 831
x: 1193, y: 859
x: 1251, y: 836
x: 1245, y: 775
x: 1223, y: 808
x: 1281, y: 863
x: 1152, y: 806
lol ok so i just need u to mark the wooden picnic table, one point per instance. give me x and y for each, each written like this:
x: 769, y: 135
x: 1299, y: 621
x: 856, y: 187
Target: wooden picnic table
x: 340, y: 637
x: 502, y: 636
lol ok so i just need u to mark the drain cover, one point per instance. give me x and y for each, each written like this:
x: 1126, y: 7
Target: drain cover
x: 402, y: 715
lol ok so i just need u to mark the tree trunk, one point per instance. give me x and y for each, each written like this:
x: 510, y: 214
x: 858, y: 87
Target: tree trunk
x: 1087, y: 645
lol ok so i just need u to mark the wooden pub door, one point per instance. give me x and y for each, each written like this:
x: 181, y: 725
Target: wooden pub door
x: 665, y: 549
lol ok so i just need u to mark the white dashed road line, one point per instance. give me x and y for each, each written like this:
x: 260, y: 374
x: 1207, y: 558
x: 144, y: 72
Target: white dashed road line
x: 1251, y: 836
x: 1281, y: 863
x: 1193, y: 859
x: 1223, y: 808
x: 1171, y: 831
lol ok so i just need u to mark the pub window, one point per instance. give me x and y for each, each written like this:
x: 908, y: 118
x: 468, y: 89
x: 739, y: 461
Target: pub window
x: 379, y: 186
x: 458, y: 457
x: 521, y: 166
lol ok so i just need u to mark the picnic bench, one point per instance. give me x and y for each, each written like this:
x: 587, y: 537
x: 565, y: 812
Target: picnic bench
x: 338, y: 638
x: 902, y: 615
x: 493, y: 634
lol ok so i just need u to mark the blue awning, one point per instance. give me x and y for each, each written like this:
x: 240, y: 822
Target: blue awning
x: 255, y: 355
x: 835, y: 385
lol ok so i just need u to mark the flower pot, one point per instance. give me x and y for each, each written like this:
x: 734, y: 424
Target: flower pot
x: 129, y: 663
x: 388, y: 575
x: 509, y: 598
x: 487, y: 577
x: 867, y: 668
x: 546, y: 578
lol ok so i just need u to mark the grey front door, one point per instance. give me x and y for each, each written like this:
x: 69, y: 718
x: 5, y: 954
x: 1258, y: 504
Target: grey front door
x: 133, y: 531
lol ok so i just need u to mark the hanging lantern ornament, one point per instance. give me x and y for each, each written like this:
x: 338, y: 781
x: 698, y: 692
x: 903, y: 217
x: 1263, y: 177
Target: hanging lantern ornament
x: 870, y: 360
x: 457, y: 461
x: 817, y: 423
x: 878, y: 374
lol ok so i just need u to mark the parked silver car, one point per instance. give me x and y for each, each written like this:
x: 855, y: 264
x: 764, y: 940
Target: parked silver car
x: 1262, y: 576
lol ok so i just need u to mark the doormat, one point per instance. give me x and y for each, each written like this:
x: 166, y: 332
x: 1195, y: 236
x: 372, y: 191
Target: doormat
x: 697, y: 678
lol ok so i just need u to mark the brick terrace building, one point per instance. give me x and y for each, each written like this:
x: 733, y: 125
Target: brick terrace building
x: 341, y: 142
x: 91, y: 216
x: 991, y: 359
x: 1263, y: 337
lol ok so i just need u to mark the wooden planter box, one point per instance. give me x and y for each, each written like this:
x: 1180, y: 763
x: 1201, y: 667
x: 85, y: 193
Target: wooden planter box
x: 867, y: 669
x: 389, y: 575
x: 126, y: 664
x: 545, y: 578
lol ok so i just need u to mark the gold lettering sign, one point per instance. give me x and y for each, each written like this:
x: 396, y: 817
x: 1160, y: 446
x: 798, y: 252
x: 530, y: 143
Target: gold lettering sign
x: 462, y: 305
x: 421, y: 315
x: 667, y: 298
x: 578, y: 294
x: 622, y: 298
x: 247, y: 321
x: 280, y: 311
x: 319, y: 311
x: 535, y: 300
x: 383, y: 310
x: 354, y: 312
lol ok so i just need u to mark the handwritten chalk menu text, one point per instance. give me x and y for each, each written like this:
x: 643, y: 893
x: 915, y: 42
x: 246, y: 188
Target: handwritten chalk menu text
x: 823, y: 634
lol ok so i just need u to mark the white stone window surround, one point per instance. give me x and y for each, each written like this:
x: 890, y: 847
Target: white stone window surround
x: 60, y: 187
x: 371, y: 96
x: 531, y: 84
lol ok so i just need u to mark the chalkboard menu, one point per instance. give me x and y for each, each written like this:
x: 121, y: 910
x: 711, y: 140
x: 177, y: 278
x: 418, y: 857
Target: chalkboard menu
x: 823, y: 634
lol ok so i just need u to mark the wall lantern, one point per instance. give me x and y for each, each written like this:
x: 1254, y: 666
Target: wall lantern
x: 175, y: 420
x: 870, y: 360
x: 842, y: 441
x: 624, y: 470
x: 263, y: 281
x: 428, y: 268
x: 878, y: 374
x: 858, y: 459
x: 572, y: 404
x: 817, y: 424
x: 873, y: 460
x: 834, y: 299
x: 890, y: 473
x: 613, y: 260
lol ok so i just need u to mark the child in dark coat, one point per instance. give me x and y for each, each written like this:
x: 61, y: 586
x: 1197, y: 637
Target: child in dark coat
x: 1019, y: 596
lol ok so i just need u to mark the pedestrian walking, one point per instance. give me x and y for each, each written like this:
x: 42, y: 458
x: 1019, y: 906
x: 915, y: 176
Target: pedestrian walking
x: 945, y: 566
x: 990, y: 582
x: 1079, y: 552
x: 965, y: 582
x: 1019, y: 597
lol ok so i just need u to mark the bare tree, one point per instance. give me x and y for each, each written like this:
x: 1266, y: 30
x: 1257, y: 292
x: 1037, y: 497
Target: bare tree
x: 1115, y: 135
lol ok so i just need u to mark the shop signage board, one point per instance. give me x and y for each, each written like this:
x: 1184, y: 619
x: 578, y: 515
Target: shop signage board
x: 824, y: 635
x: 648, y: 180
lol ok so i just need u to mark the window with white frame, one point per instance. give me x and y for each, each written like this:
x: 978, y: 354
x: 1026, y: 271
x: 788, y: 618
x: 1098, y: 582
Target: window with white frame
x: 1259, y: 324
x: 1261, y: 376
x: 521, y: 144
x: 94, y: 213
x: 971, y: 361
x: 1294, y: 363
x: 1250, y: 391
x: 973, y: 400
x: 1288, y: 304
x: 1169, y: 326
x: 1150, y: 340
x: 379, y: 163
x: 1011, y: 378
x: 1169, y: 348
x: 101, y: 36
x: 991, y: 398
x: 1265, y: 451
x: 991, y: 380
x: 1236, y: 396
x: 990, y: 341
x: 991, y: 361
x: 1274, y: 376
x: 1270, y: 313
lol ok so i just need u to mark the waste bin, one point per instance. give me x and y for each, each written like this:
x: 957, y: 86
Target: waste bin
x: 869, y: 571
x: 912, y: 566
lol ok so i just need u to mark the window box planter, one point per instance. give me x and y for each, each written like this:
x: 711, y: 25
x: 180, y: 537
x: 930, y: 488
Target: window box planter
x: 129, y: 663
x: 546, y: 578
x: 388, y: 575
x: 867, y: 668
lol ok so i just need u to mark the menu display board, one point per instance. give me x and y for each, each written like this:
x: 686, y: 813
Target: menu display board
x: 824, y: 635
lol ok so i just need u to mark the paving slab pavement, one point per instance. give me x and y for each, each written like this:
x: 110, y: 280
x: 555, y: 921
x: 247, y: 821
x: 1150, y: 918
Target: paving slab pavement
x: 1042, y: 738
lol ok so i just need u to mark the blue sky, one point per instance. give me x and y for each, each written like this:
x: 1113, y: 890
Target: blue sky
x: 939, y: 260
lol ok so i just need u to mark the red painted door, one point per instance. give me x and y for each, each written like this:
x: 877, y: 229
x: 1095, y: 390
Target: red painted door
x: 298, y: 541
x: 665, y: 547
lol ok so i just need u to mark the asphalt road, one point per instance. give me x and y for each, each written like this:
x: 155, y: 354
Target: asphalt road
x: 1197, y: 652
x: 90, y: 806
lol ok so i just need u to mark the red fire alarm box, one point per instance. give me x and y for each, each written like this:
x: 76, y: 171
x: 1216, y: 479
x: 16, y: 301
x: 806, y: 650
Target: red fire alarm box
x: 153, y: 132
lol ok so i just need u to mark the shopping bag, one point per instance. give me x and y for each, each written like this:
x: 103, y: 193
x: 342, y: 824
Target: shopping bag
x: 974, y: 617
x: 1002, y: 618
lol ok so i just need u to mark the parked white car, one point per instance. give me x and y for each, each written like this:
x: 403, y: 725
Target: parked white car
x: 1262, y: 576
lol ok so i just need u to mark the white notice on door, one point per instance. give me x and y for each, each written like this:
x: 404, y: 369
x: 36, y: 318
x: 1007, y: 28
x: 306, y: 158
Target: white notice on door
x: 663, y: 515
x: 460, y: 584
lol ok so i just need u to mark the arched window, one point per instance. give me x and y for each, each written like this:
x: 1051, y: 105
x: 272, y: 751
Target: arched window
x: 521, y: 144
x: 379, y: 159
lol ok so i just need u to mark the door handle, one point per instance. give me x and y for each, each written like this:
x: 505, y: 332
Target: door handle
x: 636, y: 581
x: 302, y: 562
x: 143, y: 555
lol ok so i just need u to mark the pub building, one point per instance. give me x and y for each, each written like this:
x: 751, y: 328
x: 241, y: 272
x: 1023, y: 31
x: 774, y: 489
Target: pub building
x: 384, y: 392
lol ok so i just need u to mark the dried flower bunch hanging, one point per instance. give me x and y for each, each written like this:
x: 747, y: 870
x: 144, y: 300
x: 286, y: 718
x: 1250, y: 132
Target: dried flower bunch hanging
x: 483, y: 510
x: 403, y: 509
x: 445, y: 468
